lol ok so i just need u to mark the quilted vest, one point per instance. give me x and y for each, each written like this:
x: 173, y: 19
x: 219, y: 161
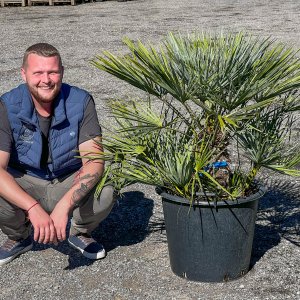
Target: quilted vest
x: 63, y: 133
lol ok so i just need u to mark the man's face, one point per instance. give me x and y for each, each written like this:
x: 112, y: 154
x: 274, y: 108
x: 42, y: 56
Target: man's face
x: 43, y: 76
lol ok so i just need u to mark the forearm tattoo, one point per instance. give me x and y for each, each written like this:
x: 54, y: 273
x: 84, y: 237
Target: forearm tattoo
x: 86, y: 183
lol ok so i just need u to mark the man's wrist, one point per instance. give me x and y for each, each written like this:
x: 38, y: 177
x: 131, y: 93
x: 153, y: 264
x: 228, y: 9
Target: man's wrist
x: 66, y: 204
x: 32, y: 206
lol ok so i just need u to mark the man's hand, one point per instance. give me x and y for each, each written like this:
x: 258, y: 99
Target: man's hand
x: 44, y: 229
x: 60, y: 216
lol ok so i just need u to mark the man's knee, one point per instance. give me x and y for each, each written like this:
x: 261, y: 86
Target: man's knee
x: 13, y: 222
x: 93, y: 206
x: 10, y: 213
x: 87, y: 217
x: 107, y: 197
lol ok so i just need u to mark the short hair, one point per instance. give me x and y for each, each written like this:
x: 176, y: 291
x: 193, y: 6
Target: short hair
x: 41, y: 49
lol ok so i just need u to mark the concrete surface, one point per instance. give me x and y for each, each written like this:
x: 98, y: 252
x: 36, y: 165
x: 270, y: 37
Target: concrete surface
x: 137, y: 265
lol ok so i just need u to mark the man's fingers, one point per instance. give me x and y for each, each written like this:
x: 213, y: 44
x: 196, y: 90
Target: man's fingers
x: 41, y: 235
x: 55, y: 242
x: 47, y: 237
x: 61, y: 236
x: 58, y: 234
x: 53, y: 238
x: 36, y: 234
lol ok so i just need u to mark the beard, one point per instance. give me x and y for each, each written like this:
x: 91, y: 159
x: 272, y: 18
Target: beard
x: 44, y: 95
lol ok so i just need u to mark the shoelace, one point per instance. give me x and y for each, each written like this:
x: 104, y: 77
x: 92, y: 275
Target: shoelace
x: 86, y: 239
x: 9, y: 244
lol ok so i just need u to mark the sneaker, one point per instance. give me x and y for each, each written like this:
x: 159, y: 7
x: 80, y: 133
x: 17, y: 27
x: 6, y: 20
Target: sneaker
x: 87, y: 246
x: 11, y: 249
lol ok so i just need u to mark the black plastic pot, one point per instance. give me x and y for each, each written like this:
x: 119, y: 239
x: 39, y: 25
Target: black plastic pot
x: 210, y: 243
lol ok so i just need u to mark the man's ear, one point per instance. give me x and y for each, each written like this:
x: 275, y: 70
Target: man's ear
x: 23, y: 74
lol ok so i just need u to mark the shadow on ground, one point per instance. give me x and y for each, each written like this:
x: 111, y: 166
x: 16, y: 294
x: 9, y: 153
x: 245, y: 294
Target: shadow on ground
x: 129, y: 223
x: 278, y: 217
x: 126, y: 225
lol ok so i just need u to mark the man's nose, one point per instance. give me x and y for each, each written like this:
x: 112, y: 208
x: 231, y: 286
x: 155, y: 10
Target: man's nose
x: 45, y: 77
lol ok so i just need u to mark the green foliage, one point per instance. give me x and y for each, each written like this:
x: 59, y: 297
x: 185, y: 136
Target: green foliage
x: 212, y: 98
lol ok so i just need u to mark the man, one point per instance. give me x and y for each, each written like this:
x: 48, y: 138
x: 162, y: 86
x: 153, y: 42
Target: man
x: 45, y: 125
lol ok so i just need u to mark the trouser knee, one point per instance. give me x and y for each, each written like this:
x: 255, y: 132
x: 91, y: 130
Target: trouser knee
x: 13, y: 222
x: 93, y: 211
x: 106, y: 201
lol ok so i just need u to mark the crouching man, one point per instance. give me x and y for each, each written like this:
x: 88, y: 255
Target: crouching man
x: 44, y: 123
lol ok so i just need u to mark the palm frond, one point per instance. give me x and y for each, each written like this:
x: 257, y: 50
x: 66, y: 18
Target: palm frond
x: 212, y: 95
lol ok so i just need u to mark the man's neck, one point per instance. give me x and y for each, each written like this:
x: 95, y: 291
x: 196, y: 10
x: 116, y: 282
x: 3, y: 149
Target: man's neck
x: 43, y: 109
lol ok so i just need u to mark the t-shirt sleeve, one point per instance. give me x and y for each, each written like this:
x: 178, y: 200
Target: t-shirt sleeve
x: 5, y: 130
x: 90, y: 127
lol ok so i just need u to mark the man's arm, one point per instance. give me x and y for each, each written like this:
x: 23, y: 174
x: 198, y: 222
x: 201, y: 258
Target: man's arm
x: 44, y: 231
x: 9, y: 189
x: 84, y: 181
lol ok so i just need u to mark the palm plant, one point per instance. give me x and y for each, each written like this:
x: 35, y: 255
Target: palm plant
x: 217, y: 110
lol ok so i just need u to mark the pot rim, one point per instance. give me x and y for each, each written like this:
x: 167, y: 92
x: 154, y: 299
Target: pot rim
x: 261, y: 191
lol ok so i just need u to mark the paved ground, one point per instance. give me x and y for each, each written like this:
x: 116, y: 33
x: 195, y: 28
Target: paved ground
x: 137, y: 265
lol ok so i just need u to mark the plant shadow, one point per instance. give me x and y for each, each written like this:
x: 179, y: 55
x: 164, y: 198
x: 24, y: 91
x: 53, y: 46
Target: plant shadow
x: 127, y: 224
x: 278, y: 217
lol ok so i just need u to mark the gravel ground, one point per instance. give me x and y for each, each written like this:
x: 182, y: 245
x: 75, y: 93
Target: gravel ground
x: 137, y: 264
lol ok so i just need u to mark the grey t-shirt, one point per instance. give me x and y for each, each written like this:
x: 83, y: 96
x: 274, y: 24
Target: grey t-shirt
x: 89, y: 128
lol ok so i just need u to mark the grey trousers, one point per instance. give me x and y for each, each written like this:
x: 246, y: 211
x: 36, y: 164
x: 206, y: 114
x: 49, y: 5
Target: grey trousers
x: 85, y: 217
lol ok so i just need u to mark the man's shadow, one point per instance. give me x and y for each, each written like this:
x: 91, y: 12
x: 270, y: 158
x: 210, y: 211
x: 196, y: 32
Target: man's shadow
x: 278, y: 217
x: 127, y: 224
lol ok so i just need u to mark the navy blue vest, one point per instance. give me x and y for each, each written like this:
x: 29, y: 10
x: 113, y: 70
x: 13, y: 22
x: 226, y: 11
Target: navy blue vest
x: 63, y: 134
